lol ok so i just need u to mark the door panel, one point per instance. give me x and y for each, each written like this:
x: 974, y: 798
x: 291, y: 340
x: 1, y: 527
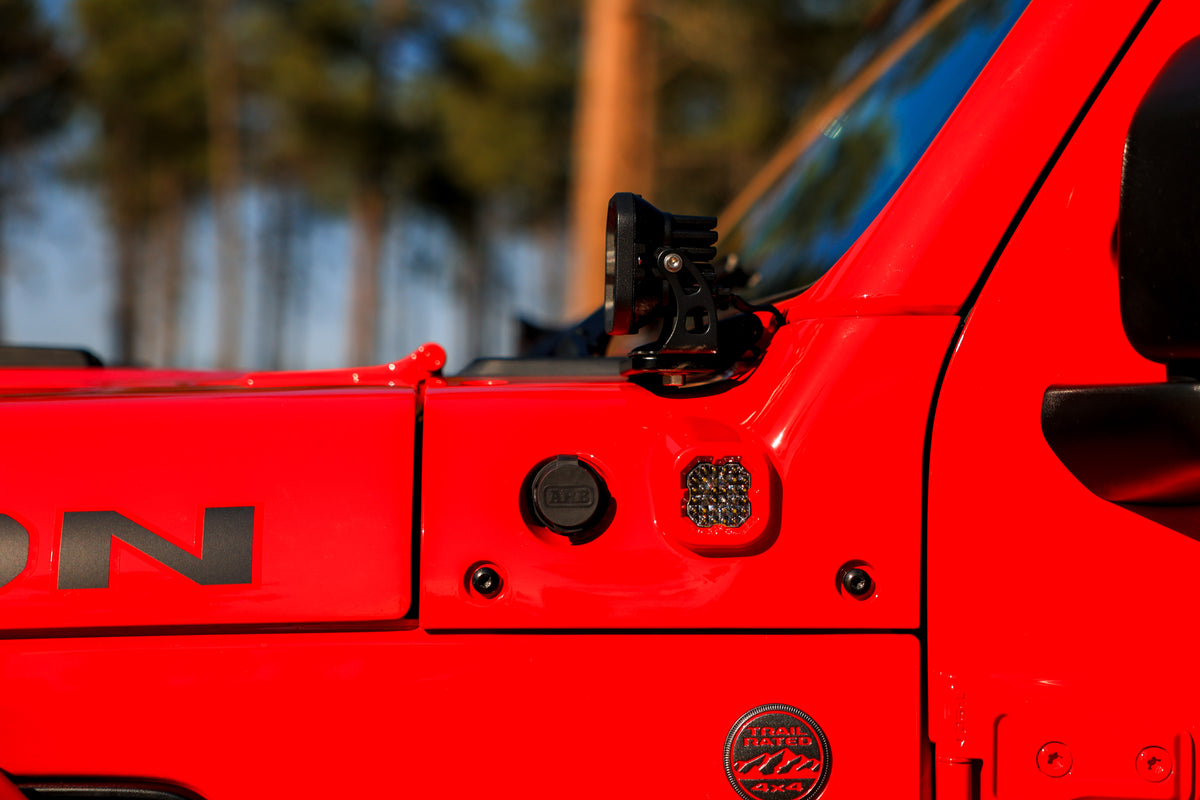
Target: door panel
x: 1055, y: 616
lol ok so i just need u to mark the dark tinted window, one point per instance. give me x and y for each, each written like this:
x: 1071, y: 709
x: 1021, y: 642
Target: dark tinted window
x: 828, y: 196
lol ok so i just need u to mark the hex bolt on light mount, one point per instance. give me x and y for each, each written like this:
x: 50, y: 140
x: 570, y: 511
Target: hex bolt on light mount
x: 658, y: 266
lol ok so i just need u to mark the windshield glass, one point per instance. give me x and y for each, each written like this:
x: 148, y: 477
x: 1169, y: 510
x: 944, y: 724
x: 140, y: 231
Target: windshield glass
x: 850, y: 157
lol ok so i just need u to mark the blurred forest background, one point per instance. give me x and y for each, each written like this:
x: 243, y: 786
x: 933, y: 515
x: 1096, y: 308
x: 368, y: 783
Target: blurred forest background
x: 306, y: 183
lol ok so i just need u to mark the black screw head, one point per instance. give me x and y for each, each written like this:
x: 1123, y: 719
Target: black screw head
x: 858, y: 583
x: 486, y: 582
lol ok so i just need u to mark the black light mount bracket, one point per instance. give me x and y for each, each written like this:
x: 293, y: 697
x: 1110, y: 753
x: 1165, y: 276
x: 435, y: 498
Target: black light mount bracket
x: 658, y: 266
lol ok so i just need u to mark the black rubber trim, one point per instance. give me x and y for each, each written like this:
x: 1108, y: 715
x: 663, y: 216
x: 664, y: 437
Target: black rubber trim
x: 698, y: 631
x: 85, y: 790
x: 66, y: 357
x: 542, y: 367
x: 414, y: 565
x: 216, y: 629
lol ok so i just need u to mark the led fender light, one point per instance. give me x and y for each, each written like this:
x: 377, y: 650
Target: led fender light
x: 717, y: 497
x: 718, y: 493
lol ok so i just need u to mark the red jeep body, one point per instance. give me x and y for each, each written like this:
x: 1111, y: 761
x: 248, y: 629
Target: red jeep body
x: 287, y: 608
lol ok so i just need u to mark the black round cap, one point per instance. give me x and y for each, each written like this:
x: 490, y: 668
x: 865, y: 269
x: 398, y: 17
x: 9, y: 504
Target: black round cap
x: 568, y: 495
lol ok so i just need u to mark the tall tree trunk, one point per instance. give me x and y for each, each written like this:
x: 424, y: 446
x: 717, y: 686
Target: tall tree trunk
x: 124, y: 221
x: 278, y: 267
x: 224, y: 155
x: 296, y: 315
x: 614, y: 135
x: 171, y: 232
x: 368, y: 213
x: 3, y: 253
x: 127, y: 317
x: 474, y: 285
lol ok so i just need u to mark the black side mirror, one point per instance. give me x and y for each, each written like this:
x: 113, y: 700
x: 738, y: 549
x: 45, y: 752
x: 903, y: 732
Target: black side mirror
x: 1139, y: 445
x: 1159, y: 229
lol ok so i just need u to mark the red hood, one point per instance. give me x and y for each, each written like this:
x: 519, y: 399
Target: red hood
x: 424, y: 362
x: 155, y: 499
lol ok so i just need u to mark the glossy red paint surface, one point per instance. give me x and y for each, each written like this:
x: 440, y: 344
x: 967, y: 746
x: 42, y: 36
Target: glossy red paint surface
x: 413, y: 715
x: 419, y: 365
x: 41, y: 380
x: 1049, y: 617
x: 1053, y: 614
x: 928, y: 247
x: 837, y: 409
x: 328, y: 472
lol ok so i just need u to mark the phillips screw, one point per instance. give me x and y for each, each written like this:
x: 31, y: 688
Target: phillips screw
x: 1054, y: 759
x: 1154, y: 764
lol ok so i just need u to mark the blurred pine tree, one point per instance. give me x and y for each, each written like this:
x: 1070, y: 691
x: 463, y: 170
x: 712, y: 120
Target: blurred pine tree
x: 36, y: 83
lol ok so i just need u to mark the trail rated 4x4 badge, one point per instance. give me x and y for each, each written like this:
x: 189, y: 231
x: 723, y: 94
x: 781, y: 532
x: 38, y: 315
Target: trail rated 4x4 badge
x: 777, y: 751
